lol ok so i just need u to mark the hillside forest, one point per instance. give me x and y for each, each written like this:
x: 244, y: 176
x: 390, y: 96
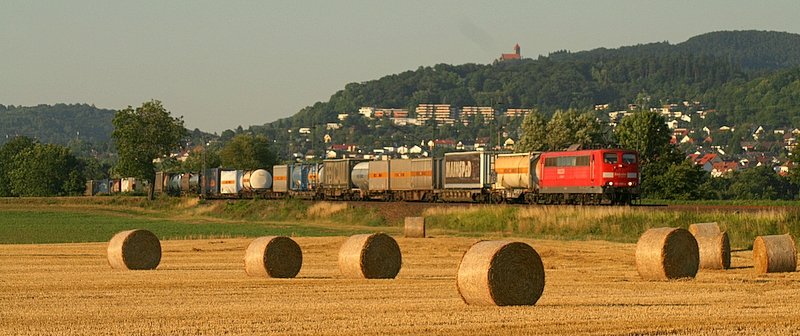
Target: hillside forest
x: 742, y: 80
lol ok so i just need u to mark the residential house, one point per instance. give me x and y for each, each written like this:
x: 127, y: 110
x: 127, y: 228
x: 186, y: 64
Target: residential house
x: 723, y: 168
x: 705, y: 161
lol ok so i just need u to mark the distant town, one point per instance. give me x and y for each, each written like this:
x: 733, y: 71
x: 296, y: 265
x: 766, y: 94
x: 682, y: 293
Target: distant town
x: 709, y: 148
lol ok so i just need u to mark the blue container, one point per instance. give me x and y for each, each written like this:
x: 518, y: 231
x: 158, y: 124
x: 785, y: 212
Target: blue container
x: 210, y: 181
x: 299, y: 177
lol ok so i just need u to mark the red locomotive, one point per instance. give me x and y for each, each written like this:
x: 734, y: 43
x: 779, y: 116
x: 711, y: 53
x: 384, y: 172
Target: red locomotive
x: 590, y: 176
x: 572, y: 177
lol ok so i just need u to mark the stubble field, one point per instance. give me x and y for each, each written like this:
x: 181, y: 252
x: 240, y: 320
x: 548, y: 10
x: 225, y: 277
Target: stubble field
x: 200, y: 288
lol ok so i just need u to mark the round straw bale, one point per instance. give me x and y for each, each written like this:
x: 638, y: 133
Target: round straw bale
x: 273, y: 257
x: 667, y: 253
x: 704, y: 229
x: 134, y: 250
x: 774, y: 254
x: 370, y: 256
x: 414, y: 227
x: 713, y: 245
x: 500, y: 273
x: 715, y: 251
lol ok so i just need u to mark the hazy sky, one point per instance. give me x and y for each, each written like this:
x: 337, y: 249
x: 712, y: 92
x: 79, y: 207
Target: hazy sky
x: 221, y: 64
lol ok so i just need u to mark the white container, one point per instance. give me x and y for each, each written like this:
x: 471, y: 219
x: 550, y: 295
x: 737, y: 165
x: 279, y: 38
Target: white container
x: 260, y: 179
x: 230, y: 182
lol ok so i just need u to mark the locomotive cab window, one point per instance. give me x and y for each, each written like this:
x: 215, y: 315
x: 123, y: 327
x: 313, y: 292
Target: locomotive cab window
x: 628, y: 158
x: 610, y: 158
x: 567, y: 161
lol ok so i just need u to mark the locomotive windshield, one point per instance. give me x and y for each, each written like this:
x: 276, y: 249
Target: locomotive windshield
x: 610, y: 158
x: 629, y: 158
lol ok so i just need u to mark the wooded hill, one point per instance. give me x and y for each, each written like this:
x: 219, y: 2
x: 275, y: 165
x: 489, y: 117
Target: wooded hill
x: 58, y: 124
x: 748, y: 76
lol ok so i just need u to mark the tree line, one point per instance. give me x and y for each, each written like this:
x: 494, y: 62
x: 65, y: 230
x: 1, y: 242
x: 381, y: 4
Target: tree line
x: 665, y: 171
x: 143, y: 134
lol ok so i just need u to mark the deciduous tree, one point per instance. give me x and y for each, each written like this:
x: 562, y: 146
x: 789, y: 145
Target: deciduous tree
x: 46, y: 170
x: 645, y: 132
x: 534, y: 130
x: 7, y: 153
x: 248, y: 152
x: 143, y: 134
x: 564, y: 129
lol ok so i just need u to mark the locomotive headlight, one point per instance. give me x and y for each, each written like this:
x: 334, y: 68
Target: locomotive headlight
x: 630, y: 184
x: 610, y: 183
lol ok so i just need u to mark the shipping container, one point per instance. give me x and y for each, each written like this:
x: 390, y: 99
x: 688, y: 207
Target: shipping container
x: 211, y: 181
x: 337, y: 173
x: 313, y: 176
x: 280, y: 178
x: 260, y: 180
x: 159, y: 186
x: 174, y: 185
x: 468, y: 170
x: 400, y: 174
x: 185, y: 177
x: 298, y: 179
x: 96, y: 187
x: 517, y: 171
x: 320, y: 175
x: 194, y: 183
x: 89, y: 191
x: 379, y: 176
x: 360, y: 176
x: 116, y: 186
x: 244, y: 180
x: 426, y: 174
x: 230, y: 182
x: 128, y: 185
x: 101, y: 187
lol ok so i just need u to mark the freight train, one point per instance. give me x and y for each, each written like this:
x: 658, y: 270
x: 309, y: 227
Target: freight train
x: 598, y: 176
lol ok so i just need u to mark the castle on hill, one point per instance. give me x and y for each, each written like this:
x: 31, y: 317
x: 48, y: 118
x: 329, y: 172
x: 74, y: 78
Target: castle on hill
x: 515, y: 56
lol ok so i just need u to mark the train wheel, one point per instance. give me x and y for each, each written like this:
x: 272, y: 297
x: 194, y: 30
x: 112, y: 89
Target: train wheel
x: 496, y: 198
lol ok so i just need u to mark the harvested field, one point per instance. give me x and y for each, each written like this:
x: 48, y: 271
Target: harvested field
x: 199, y: 288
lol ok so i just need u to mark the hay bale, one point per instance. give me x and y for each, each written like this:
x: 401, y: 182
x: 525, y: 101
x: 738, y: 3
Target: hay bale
x: 667, y: 253
x: 713, y: 245
x: 414, y: 227
x: 704, y: 229
x: 500, y: 273
x: 273, y: 257
x: 134, y: 250
x: 714, y: 250
x: 370, y: 256
x: 774, y: 254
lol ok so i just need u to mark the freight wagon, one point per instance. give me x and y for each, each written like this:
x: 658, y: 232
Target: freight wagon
x: 468, y: 177
x: 337, y: 180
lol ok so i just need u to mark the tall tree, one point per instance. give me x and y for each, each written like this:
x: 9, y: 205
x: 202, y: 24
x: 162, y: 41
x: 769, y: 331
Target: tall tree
x: 46, y: 170
x: 143, y: 134
x: 248, y: 152
x: 201, y: 157
x: 680, y: 181
x: 534, y: 130
x: 565, y: 128
x: 645, y: 132
x: 7, y: 153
